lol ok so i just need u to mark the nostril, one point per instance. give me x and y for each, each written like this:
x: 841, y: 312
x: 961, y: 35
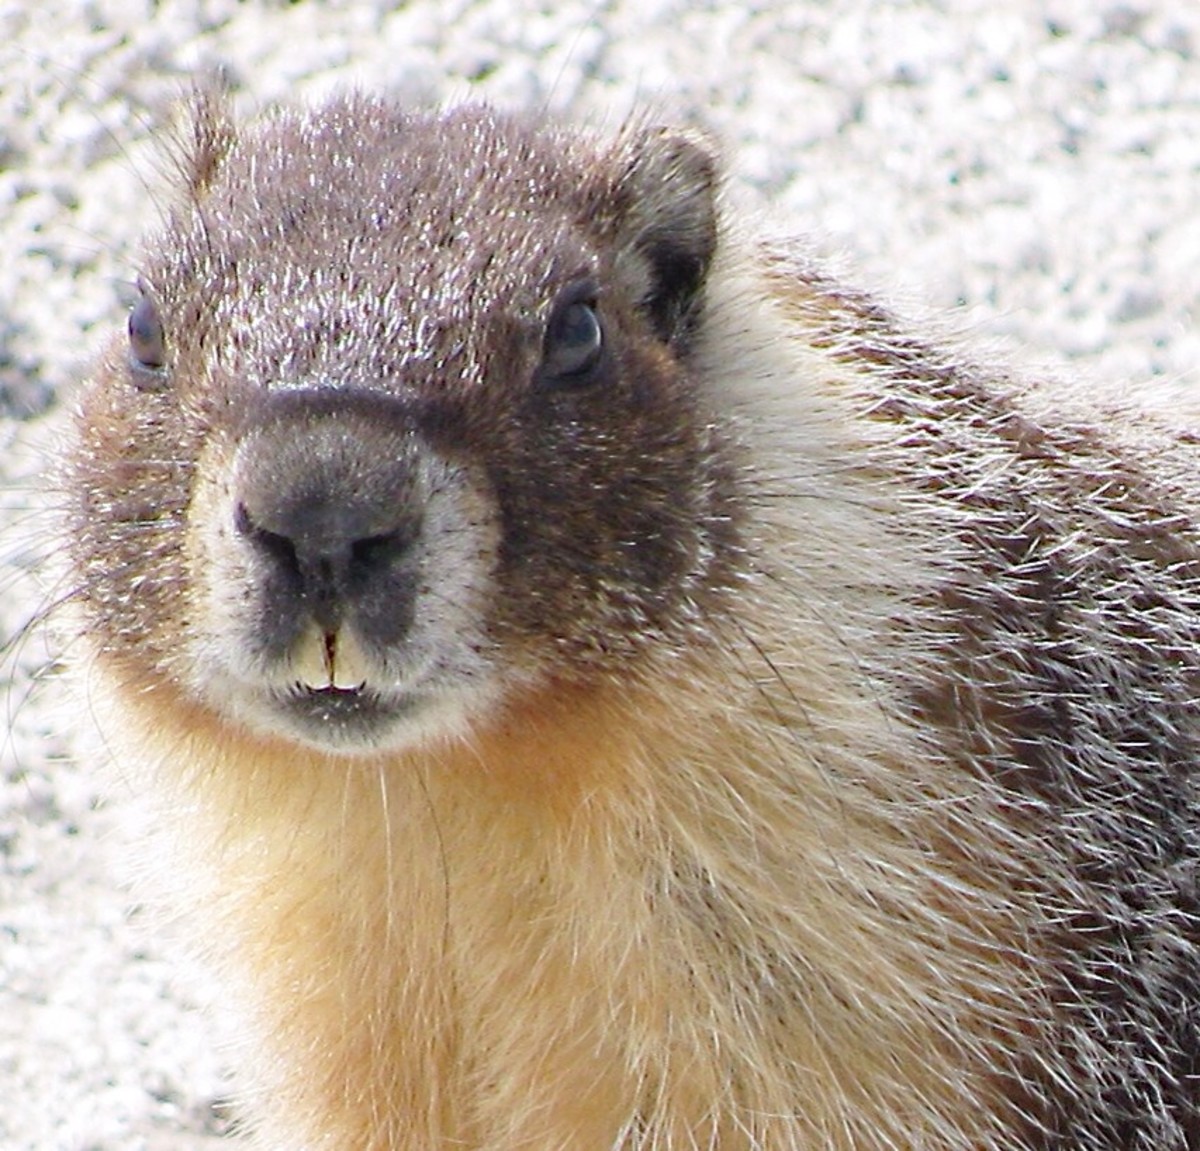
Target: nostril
x: 321, y: 563
x: 278, y: 547
x: 379, y: 551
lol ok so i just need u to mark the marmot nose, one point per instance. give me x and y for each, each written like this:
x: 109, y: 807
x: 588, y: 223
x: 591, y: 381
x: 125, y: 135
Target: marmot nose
x: 333, y: 552
x: 330, y: 506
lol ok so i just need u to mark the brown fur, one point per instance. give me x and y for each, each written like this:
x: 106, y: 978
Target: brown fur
x: 809, y: 757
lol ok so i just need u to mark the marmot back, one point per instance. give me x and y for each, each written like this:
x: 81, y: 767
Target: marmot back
x: 614, y: 687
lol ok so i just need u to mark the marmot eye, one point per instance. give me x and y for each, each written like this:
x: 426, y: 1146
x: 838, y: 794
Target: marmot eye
x: 147, y: 341
x: 574, y: 344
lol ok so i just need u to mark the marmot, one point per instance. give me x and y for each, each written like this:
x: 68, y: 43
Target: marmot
x: 620, y: 688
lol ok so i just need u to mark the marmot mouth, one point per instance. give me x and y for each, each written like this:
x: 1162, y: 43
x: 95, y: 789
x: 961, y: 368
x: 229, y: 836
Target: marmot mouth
x: 341, y: 715
x: 335, y: 700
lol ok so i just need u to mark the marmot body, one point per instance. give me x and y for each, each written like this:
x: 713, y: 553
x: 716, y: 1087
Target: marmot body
x: 618, y: 687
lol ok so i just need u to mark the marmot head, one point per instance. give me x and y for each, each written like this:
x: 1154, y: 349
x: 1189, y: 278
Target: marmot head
x: 404, y: 421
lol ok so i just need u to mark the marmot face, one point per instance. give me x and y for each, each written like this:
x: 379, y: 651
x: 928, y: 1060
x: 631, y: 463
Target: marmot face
x: 404, y: 423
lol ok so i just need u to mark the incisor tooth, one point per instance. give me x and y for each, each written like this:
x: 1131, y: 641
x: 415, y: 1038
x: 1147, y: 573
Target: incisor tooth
x: 347, y: 665
x: 309, y: 664
x: 323, y: 661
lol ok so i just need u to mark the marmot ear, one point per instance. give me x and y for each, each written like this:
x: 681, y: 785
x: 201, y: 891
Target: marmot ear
x: 669, y: 234
x: 205, y: 137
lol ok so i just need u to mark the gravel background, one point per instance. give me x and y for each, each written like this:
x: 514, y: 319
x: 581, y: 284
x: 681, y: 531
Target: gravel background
x: 1031, y: 167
